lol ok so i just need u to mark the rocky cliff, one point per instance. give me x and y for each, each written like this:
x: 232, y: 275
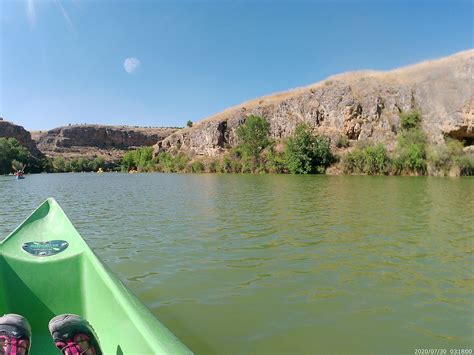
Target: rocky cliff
x: 11, y: 130
x: 361, y: 106
x: 97, y: 140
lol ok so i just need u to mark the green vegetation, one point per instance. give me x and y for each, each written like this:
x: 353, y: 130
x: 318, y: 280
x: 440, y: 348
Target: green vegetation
x: 10, y: 150
x: 302, y: 153
x: 370, y: 160
x: 410, y: 120
x: 307, y: 153
x: 189, y: 123
x: 14, y: 156
x: 342, y: 142
x: 140, y: 159
x: 253, y: 136
x: 80, y: 164
x: 444, y: 159
x: 410, y: 153
x: 169, y: 163
x: 276, y: 162
x: 197, y: 167
x: 466, y: 165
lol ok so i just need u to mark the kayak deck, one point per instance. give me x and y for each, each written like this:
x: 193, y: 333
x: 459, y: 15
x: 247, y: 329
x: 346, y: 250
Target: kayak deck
x: 40, y: 286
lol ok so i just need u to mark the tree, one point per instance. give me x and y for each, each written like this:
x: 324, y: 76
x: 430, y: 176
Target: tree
x: 11, y: 149
x: 189, y: 123
x: 307, y: 153
x: 253, y: 135
x: 97, y: 163
x: 141, y: 158
x: 59, y: 165
x: 128, y: 161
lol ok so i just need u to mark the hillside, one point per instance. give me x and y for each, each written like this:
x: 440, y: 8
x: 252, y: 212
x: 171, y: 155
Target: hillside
x: 11, y: 130
x: 90, y: 141
x: 363, y: 106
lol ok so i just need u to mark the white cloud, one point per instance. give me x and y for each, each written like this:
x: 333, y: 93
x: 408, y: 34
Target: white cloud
x: 131, y: 64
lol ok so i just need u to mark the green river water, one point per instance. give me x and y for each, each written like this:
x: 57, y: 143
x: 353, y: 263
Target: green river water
x: 279, y: 264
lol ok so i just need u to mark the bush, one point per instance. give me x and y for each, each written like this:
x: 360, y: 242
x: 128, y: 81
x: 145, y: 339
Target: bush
x: 165, y: 162
x: 213, y: 166
x: 45, y: 164
x: 189, y: 123
x: 232, y: 162
x: 276, y: 162
x: 410, y: 120
x: 78, y: 165
x: 410, y: 153
x: 342, y: 142
x: 226, y: 165
x: 169, y: 163
x: 59, y: 165
x: 197, y: 167
x: 443, y: 158
x: 140, y: 159
x: 180, y: 161
x: 97, y: 163
x: 307, y: 153
x: 466, y: 165
x: 371, y: 160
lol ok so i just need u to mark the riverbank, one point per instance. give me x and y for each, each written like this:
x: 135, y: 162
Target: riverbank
x: 303, y: 152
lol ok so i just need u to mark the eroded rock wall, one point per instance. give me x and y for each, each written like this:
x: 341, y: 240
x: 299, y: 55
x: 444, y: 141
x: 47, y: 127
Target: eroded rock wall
x: 363, y: 106
x: 105, y: 137
x: 11, y: 130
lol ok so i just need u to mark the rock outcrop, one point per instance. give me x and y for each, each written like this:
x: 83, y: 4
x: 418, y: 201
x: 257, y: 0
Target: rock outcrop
x: 97, y: 140
x: 11, y: 130
x: 363, y: 106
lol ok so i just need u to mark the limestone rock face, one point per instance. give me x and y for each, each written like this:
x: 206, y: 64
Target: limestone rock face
x: 97, y: 140
x: 105, y: 137
x: 11, y: 130
x: 360, y: 106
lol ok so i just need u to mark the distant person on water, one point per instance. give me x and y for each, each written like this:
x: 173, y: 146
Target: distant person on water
x: 71, y: 334
x: 19, y: 171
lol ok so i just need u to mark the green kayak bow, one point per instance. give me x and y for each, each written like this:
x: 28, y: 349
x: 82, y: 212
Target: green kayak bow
x: 47, y: 269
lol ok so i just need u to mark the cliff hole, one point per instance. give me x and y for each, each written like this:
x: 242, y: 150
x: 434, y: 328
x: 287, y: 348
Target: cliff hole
x: 223, y: 134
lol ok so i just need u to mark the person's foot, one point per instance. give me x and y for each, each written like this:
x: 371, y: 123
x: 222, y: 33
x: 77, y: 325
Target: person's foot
x: 15, y: 335
x: 74, y: 335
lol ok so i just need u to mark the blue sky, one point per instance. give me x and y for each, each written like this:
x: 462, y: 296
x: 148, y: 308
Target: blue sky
x: 63, y: 61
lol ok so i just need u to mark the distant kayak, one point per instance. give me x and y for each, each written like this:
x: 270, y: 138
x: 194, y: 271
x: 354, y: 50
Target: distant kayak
x: 46, y: 269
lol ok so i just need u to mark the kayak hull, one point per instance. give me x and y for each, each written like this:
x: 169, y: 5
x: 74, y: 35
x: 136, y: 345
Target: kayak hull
x: 39, y: 280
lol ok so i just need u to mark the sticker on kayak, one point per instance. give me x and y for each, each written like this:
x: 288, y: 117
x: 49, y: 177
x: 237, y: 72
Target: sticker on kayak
x: 49, y: 248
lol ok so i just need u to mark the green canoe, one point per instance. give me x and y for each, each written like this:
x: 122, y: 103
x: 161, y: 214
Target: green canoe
x: 47, y: 269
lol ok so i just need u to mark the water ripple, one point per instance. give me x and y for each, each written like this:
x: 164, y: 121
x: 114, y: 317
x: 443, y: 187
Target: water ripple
x: 266, y: 263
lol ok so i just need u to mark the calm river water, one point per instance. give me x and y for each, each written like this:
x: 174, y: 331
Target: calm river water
x: 237, y: 264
